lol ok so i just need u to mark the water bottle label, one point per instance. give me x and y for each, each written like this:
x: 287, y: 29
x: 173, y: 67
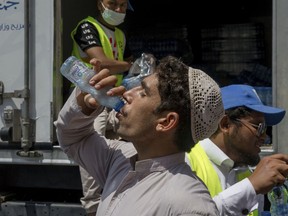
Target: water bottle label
x: 78, y: 73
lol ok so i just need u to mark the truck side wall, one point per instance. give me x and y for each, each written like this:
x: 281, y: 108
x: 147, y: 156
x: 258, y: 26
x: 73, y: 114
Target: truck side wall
x: 12, y: 40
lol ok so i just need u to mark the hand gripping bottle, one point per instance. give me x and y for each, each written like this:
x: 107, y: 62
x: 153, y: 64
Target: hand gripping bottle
x: 77, y: 72
x: 142, y: 67
x: 278, y: 198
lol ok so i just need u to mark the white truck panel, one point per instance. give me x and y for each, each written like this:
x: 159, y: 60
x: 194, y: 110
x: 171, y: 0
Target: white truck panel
x: 41, y: 60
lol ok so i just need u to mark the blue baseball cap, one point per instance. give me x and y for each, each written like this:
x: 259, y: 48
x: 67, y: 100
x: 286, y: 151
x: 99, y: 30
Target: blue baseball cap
x: 237, y: 95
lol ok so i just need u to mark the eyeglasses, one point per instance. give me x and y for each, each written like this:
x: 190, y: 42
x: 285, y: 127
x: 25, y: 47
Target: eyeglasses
x: 261, y: 127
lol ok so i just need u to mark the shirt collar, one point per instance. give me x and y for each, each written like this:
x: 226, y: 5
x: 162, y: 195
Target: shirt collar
x: 215, y: 154
x: 160, y: 163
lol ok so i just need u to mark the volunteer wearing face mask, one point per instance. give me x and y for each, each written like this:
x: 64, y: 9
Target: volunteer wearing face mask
x: 98, y: 36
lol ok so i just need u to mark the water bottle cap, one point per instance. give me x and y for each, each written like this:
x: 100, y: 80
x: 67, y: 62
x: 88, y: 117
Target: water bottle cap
x: 119, y: 106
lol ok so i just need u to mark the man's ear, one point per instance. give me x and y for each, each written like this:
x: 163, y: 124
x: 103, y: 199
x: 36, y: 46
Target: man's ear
x: 224, y: 123
x: 168, y: 122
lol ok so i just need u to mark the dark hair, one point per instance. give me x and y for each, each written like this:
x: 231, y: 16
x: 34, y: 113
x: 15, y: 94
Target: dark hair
x: 173, y: 88
x: 236, y: 113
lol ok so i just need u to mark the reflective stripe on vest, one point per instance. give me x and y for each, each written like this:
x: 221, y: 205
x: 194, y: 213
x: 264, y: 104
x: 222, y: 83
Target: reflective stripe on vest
x: 107, y: 48
x: 204, y: 169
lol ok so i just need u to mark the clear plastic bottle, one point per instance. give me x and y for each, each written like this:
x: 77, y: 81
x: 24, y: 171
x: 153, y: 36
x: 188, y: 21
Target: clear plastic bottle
x: 77, y: 72
x: 142, y: 67
x: 278, y: 198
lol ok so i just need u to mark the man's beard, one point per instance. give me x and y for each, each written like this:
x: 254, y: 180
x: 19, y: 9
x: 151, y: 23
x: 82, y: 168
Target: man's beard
x: 245, y: 158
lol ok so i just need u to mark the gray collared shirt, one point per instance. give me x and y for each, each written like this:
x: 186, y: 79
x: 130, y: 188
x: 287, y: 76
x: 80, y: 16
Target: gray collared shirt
x: 159, y: 186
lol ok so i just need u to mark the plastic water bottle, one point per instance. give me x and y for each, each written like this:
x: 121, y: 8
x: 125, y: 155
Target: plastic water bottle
x: 278, y: 198
x: 77, y: 72
x: 142, y: 67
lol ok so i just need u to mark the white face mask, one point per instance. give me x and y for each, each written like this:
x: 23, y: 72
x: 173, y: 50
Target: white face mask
x: 112, y: 17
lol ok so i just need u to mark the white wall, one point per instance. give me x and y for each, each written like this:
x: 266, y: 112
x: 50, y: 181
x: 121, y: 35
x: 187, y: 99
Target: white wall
x: 280, y: 71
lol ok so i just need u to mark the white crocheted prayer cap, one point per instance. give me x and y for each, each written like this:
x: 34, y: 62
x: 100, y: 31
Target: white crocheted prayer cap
x: 206, y: 104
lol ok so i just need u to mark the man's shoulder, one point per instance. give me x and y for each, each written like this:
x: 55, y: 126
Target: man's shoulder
x: 85, y: 24
x: 192, y: 190
x: 185, y: 179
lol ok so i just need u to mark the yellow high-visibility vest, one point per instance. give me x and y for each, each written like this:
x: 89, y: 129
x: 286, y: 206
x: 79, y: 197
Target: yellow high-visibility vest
x: 206, y: 172
x: 107, y: 48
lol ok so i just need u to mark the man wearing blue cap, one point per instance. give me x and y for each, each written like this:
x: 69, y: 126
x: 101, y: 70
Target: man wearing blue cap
x: 223, y: 160
x: 101, y: 37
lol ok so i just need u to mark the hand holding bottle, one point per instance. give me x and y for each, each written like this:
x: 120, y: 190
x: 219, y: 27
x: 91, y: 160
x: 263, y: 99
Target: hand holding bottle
x: 98, y: 85
x: 271, y: 170
x: 106, y: 80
